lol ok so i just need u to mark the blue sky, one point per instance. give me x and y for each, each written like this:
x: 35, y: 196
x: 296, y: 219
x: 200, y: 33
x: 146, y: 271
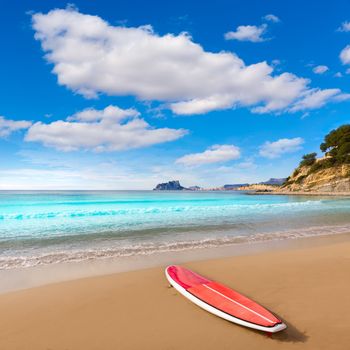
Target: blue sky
x: 123, y: 95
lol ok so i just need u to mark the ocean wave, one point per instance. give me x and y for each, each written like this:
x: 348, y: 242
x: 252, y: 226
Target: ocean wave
x: 162, y: 210
x: 104, y: 202
x: 64, y: 256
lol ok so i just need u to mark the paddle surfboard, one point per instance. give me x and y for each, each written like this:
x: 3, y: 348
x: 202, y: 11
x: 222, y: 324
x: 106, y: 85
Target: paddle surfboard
x: 222, y: 301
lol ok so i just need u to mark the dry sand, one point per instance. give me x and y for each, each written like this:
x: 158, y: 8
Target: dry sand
x: 309, y: 288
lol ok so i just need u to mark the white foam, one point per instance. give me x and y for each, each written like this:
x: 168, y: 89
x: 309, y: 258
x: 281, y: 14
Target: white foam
x: 10, y: 262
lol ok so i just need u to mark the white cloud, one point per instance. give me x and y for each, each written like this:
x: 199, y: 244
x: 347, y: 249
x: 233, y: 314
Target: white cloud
x: 110, y: 129
x: 110, y: 113
x: 345, y: 55
x: 248, y: 164
x: 8, y: 126
x: 91, y: 56
x: 204, y: 105
x: 248, y: 33
x: 320, y: 69
x: 317, y: 98
x: 271, y: 18
x: 345, y: 27
x: 338, y: 75
x: 214, y: 154
x: 276, y: 149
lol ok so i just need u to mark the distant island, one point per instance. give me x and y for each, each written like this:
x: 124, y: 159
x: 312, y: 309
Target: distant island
x: 175, y: 185
x: 170, y: 186
x: 233, y: 186
x: 274, y: 182
x: 195, y: 188
x: 329, y: 174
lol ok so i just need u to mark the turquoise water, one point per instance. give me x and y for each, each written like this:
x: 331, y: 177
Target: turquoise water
x: 50, y: 227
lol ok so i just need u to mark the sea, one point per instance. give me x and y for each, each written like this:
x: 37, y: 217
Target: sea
x: 40, y: 228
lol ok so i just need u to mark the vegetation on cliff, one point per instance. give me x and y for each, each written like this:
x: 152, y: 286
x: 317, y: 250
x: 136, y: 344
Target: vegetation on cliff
x: 308, y: 159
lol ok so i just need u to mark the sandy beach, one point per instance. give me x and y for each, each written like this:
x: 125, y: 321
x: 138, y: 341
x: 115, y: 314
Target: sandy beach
x: 308, y: 287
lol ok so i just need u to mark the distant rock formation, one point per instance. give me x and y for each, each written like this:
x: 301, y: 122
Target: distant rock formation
x: 234, y: 186
x: 273, y: 181
x: 258, y: 188
x: 195, y: 188
x: 169, y: 186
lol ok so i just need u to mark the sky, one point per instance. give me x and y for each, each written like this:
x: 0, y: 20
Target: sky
x: 126, y: 94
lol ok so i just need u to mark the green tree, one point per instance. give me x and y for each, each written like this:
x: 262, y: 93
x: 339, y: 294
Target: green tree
x: 308, y: 159
x: 337, y: 144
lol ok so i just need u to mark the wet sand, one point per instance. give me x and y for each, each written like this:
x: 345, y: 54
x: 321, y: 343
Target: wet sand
x: 308, y: 287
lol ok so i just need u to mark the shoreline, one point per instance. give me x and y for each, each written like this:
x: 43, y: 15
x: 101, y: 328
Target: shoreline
x: 302, y: 283
x: 21, y: 278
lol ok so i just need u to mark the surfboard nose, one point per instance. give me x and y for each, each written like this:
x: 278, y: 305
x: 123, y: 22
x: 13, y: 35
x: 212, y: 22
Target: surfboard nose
x: 184, y: 277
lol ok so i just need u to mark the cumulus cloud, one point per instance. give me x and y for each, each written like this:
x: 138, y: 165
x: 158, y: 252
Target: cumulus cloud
x: 345, y: 55
x: 248, y: 33
x: 204, y: 105
x: 277, y: 148
x: 318, y: 98
x: 110, y: 113
x: 214, y: 154
x: 90, y: 57
x: 8, y: 126
x: 110, y: 129
x: 345, y: 27
x: 312, y: 99
x: 271, y: 18
x: 320, y: 69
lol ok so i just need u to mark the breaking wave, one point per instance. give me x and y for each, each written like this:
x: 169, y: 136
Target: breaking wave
x: 141, y: 249
x: 162, y: 210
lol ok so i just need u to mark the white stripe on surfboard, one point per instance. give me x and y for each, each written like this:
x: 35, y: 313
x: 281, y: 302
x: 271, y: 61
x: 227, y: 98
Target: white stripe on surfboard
x: 236, y: 302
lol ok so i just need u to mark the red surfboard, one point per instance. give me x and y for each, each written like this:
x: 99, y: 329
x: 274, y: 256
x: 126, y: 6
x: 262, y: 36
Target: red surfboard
x: 222, y: 301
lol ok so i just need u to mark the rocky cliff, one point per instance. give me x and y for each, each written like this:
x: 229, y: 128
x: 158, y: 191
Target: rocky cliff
x: 328, y: 174
x: 332, y: 179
